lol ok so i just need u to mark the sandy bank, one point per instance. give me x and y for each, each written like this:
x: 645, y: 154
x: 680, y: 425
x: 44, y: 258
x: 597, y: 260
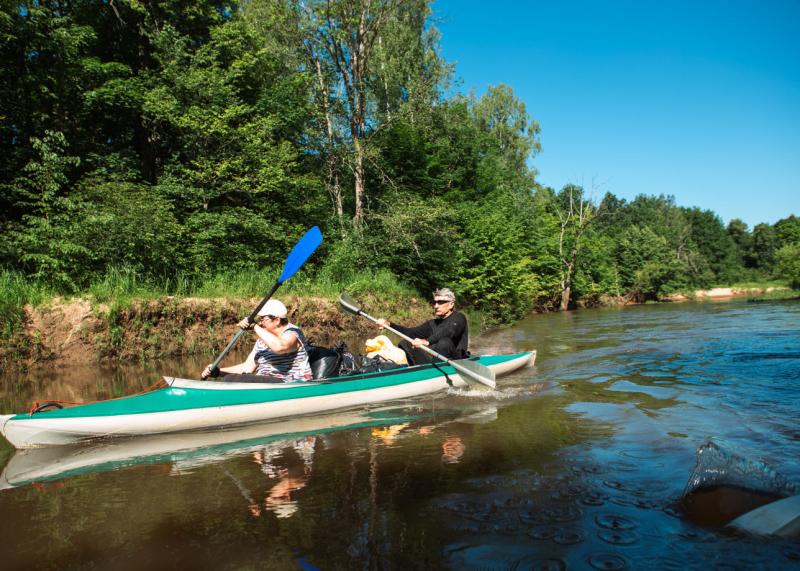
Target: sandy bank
x: 721, y: 293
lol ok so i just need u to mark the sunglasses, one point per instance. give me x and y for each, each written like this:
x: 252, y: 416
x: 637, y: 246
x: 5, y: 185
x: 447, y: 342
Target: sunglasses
x: 440, y: 301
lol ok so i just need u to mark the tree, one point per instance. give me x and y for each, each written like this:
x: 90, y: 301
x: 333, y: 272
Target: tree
x: 647, y: 264
x: 714, y: 243
x: 575, y: 214
x: 787, y: 230
x: 509, y: 139
x: 787, y: 264
x: 494, y: 272
x: 341, y: 37
x: 763, y: 247
x: 663, y: 218
x: 739, y: 233
x: 45, y: 238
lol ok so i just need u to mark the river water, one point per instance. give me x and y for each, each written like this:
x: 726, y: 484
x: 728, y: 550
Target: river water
x: 579, y: 462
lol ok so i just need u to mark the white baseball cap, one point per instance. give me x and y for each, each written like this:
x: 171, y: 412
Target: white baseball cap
x: 274, y: 308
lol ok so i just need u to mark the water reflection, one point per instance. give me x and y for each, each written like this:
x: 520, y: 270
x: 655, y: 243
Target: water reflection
x: 189, y: 450
x: 291, y: 476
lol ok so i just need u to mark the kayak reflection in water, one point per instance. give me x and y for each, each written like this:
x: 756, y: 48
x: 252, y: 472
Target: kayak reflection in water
x: 279, y: 352
x: 276, y: 464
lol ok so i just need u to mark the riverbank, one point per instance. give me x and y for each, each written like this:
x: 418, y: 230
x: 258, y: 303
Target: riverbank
x: 83, y: 331
x: 721, y: 293
x: 79, y: 331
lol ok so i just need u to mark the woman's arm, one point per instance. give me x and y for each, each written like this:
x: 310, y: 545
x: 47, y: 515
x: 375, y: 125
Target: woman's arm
x: 248, y: 366
x: 286, y: 342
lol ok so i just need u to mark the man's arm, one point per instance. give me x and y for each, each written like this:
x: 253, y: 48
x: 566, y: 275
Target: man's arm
x: 423, y: 331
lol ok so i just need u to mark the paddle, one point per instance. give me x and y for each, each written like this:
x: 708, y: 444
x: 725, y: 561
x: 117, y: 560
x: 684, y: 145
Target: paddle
x: 470, y: 371
x: 297, y: 257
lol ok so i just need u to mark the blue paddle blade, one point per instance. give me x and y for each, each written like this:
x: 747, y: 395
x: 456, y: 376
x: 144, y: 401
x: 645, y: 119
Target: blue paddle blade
x: 300, y: 253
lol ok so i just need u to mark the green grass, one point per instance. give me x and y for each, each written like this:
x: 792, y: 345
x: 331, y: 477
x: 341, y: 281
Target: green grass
x: 15, y: 292
x: 777, y: 295
x: 760, y: 284
x: 232, y: 284
x: 122, y: 286
x: 381, y: 283
x: 241, y: 284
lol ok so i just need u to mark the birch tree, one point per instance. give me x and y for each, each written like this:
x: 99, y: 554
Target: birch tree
x: 575, y: 214
x: 341, y: 38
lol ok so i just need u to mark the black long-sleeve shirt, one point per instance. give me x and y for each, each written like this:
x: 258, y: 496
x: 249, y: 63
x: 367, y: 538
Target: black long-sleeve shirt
x: 454, y: 326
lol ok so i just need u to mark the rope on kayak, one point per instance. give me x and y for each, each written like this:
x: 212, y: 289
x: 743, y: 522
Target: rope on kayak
x: 44, y: 405
x: 39, y: 407
x: 447, y: 378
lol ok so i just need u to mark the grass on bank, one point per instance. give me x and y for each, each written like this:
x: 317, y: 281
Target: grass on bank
x: 759, y: 284
x: 16, y: 291
x: 120, y: 287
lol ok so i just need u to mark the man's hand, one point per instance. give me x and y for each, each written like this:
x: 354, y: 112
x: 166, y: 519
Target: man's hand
x: 382, y: 323
x: 416, y: 343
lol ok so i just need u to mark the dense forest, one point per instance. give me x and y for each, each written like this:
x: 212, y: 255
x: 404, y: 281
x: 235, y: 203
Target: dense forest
x: 180, y: 139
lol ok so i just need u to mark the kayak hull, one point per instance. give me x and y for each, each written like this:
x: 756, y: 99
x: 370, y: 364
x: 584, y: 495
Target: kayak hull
x: 185, y: 405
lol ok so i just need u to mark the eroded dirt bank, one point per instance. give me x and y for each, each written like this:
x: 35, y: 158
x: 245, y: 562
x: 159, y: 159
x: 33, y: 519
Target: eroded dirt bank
x: 77, y: 331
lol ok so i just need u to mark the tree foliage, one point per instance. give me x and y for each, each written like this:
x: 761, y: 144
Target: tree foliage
x: 182, y: 139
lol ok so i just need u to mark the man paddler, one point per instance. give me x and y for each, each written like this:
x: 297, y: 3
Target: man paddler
x: 446, y: 333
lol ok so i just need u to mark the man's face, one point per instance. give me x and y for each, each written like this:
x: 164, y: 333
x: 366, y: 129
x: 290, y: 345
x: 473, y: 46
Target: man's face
x: 442, y: 307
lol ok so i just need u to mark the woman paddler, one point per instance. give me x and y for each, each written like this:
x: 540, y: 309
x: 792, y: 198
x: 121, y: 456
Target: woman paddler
x: 280, y: 349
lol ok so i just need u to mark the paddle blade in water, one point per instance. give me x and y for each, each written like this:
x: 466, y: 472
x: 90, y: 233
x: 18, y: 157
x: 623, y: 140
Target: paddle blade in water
x: 300, y: 253
x: 349, y: 304
x: 473, y: 372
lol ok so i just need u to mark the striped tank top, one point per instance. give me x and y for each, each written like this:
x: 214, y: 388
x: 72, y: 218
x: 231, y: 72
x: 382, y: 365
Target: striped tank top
x: 290, y: 367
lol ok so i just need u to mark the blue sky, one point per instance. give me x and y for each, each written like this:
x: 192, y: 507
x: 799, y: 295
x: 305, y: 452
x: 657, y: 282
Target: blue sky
x: 700, y: 100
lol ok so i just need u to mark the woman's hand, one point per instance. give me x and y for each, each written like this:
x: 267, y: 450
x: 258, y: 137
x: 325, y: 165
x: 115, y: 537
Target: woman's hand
x: 245, y: 324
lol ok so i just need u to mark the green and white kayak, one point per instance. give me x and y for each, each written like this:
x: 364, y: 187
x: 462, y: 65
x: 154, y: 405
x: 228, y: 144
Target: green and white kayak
x: 184, y: 404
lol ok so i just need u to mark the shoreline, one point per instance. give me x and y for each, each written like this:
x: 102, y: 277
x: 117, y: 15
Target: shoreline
x: 77, y: 331
x: 721, y: 293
